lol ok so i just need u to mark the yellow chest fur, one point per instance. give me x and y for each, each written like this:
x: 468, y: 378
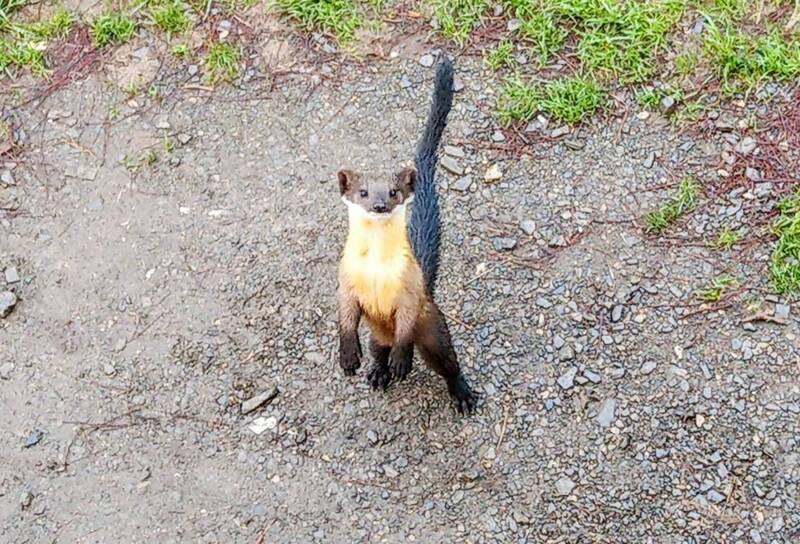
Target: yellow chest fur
x: 378, y: 262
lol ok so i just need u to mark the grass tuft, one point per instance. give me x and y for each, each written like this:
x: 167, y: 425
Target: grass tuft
x: 170, y: 17
x: 114, y: 28
x: 685, y: 200
x: 500, y: 56
x: 544, y: 35
x: 340, y: 18
x: 714, y: 292
x: 21, y: 54
x: 569, y: 100
x: 726, y: 239
x: 222, y: 62
x: 784, y: 268
x: 457, y: 18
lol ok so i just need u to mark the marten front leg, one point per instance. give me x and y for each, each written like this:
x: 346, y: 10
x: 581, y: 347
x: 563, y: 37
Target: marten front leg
x: 379, y: 375
x: 349, y: 344
x: 402, y: 353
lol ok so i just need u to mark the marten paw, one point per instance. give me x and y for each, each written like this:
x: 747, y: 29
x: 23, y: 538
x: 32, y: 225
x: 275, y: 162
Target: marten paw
x: 379, y: 376
x: 400, y: 363
x: 350, y: 359
x: 465, y: 399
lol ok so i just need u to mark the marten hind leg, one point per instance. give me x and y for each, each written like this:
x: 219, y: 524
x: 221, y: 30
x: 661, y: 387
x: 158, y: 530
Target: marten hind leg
x: 379, y: 375
x: 436, y: 348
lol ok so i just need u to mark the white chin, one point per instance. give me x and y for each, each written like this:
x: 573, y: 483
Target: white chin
x: 358, y: 211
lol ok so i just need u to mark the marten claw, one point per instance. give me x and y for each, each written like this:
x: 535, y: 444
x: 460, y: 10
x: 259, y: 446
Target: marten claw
x: 400, y: 363
x: 379, y: 376
x: 466, y: 400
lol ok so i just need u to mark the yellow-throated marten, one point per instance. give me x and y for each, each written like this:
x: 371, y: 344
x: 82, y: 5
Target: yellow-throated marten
x: 389, y: 266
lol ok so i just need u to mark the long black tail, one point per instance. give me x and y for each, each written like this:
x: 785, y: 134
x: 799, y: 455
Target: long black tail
x: 424, y: 222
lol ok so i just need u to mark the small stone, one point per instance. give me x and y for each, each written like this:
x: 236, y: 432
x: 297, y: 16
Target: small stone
x: 7, y: 302
x: 504, y: 244
x: 647, y: 367
x: 528, y: 227
x: 650, y: 160
x: 752, y: 174
x: 109, y: 369
x: 616, y: 313
x: 454, y: 151
x: 7, y: 177
x: 162, y: 123
x: 458, y: 84
x: 192, y: 69
x: 715, y: 496
x: 592, y: 376
x: 566, y: 353
x: 605, y: 416
x: 405, y: 83
x: 558, y: 342
x: 567, y: 380
x: 25, y: 499
x: 745, y: 146
x: 493, y: 173
x: 450, y: 164
x: 781, y: 311
x: 513, y: 25
x: 5, y: 370
x: 558, y: 132
x: 755, y: 536
x: 574, y: 144
x: 390, y: 471
x: 12, y: 276
x: 372, y: 436
x: 498, y: 136
x: 662, y: 453
x: 261, y: 424
x: 564, y: 486
x: 260, y: 399
x: 33, y: 438
x: 184, y: 138
x: 667, y: 104
x: 463, y: 184
x: 426, y: 60
x: 543, y: 303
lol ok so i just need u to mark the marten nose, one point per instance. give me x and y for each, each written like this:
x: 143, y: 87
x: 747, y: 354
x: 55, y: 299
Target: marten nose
x: 379, y: 207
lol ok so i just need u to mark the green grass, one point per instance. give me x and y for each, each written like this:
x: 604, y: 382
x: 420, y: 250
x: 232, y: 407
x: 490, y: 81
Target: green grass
x: 569, y: 100
x: 718, y: 287
x: 180, y: 50
x: 114, y: 28
x: 500, y: 56
x: 621, y: 39
x: 686, y: 63
x: 683, y: 201
x: 740, y: 61
x: 649, y: 98
x: 726, y: 239
x: 341, y: 18
x: 543, y: 35
x: 170, y: 17
x: 222, y: 62
x: 22, y: 55
x: 784, y: 267
x: 8, y: 7
x: 458, y: 18
x: 57, y: 26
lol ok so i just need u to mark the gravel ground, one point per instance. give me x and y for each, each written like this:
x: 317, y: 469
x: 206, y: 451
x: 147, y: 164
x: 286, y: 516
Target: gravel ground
x: 167, y: 368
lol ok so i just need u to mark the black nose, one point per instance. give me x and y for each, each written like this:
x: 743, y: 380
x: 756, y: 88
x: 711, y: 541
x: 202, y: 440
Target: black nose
x: 380, y: 207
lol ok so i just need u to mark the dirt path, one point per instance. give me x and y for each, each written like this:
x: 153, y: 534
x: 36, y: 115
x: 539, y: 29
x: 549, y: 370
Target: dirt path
x: 177, y: 257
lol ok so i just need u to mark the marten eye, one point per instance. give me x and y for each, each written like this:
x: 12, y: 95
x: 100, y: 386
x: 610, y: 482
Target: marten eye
x: 364, y: 194
x: 392, y: 193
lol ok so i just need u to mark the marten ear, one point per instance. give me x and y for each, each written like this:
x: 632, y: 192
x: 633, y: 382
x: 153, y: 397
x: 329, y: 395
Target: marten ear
x: 407, y: 179
x: 345, y: 180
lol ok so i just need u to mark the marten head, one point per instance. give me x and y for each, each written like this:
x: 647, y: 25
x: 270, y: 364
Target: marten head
x: 377, y: 198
